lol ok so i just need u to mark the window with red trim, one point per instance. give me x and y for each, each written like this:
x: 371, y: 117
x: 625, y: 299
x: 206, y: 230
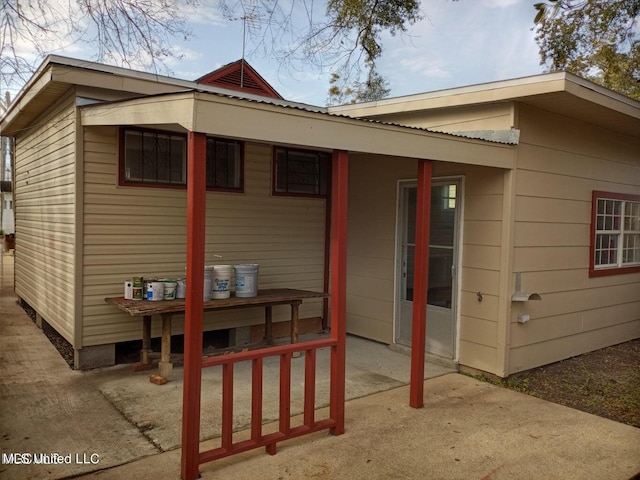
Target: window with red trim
x: 224, y: 164
x: 300, y: 172
x: 615, y: 233
x: 155, y: 158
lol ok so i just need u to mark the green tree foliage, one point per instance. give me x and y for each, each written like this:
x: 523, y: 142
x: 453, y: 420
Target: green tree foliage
x: 375, y: 87
x: 364, y: 21
x: 367, y: 19
x: 342, y: 36
x: 596, y: 39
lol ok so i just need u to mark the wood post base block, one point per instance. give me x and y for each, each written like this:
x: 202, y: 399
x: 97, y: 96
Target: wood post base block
x: 141, y: 367
x: 165, y: 369
x: 158, y: 379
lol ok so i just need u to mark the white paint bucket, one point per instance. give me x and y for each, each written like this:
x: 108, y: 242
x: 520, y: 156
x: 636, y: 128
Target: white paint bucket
x: 208, y: 279
x: 221, y: 284
x: 170, y: 288
x: 155, y: 291
x: 128, y: 290
x: 181, y: 290
x: 246, y: 279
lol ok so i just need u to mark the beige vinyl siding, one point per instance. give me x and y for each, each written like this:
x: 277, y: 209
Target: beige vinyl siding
x: 482, y: 251
x: 45, y: 216
x: 373, y: 183
x: 371, y: 230
x: 560, y: 163
x: 142, y: 231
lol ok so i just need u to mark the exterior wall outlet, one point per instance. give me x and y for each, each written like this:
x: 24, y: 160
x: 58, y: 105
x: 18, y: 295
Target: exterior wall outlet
x: 523, y: 318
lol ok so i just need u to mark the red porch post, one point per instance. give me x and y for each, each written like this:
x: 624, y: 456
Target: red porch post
x: 421, y: 284
x: 339, y: 194
x: 196, y: 210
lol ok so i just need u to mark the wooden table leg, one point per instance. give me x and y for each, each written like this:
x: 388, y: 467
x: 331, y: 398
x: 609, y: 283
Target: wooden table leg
x: 146, y: 340
x: 145, y: 354
x: 294, y: 325
x: 268, y: 325
x: 165, y: 366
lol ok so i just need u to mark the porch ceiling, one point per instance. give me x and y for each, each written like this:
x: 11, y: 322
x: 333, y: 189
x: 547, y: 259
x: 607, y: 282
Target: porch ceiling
x: 268, y: 123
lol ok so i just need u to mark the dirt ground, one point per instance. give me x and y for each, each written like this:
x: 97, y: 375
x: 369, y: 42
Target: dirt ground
x: 604, y: 382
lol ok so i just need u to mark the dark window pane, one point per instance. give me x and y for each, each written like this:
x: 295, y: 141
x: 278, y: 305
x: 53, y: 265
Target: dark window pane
x: 149, y: 170
x: 154, y: 157
x: 178, y: 160
x: 163, y: 158
x: 133, y: 156
x: 301, y: 172
x: 224, y: 164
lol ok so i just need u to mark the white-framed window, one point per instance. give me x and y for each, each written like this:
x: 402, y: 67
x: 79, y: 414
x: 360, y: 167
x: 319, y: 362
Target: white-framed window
x: 449, y: 197
x: 615, y: 226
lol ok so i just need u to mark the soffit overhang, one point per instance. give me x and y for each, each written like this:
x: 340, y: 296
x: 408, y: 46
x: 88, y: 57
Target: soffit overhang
x: 560, y: 93
x: 263, y: 122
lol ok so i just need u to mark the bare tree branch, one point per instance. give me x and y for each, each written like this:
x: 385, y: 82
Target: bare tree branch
x: 124, y: 32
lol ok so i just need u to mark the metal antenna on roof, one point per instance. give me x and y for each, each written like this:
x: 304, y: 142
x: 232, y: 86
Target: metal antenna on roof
x: 253, y: 19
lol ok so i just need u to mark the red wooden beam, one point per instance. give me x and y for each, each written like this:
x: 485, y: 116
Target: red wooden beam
x: 256, y: 398
x: 421, y: 284
x: 196, y: 212
x: 227, y: 405
x: 339, y: 194
x: 285, y: 393
x: 309, y: 386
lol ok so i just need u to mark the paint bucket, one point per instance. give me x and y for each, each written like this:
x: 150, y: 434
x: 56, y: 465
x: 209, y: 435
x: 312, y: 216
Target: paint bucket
x: 221, y: 284
x: 170, y: 287
x: 208, y: 279
x: 155, y: 291
x: 181, y: 290
x: 246, y: 279
x: 128, y: 290
x: 137, y: 289
x: 147, y: 287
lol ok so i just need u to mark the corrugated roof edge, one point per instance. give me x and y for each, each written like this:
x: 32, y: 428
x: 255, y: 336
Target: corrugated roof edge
x: 507, y: 137
x: 194, y: 86
x: 63, y: 61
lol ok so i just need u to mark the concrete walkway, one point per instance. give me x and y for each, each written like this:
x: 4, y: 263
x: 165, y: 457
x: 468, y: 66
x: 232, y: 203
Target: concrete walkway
x: 106, y: 424
x: 45, y: 407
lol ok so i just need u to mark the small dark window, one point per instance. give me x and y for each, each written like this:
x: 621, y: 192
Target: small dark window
x: 224, y: 164
x: 301, y: 172
x: 154, y: 157
x: 160, y: 158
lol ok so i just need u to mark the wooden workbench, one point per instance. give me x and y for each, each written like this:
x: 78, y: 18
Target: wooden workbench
x: 167, y: 308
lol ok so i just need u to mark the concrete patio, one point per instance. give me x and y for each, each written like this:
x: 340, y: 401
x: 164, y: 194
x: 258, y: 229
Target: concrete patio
x: 114, y: 424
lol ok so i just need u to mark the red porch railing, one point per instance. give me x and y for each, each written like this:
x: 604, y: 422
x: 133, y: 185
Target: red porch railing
x: 285, y: 430
x: 193, y: 363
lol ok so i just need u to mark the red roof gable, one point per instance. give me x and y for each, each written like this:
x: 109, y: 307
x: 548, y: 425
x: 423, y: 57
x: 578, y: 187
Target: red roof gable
x: 241, y: 76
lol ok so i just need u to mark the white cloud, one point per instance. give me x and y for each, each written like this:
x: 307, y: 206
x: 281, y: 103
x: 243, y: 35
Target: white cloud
x: 204, y: 13
x: 499, y: 3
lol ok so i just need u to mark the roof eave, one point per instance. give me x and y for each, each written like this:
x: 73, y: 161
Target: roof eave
x: 500, y: 91
x: 266, y: 122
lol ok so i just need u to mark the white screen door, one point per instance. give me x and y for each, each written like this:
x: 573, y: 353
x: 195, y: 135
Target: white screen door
x: 443, y: 258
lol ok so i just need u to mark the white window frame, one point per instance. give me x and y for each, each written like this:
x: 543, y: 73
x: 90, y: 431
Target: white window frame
x: 616, y: 222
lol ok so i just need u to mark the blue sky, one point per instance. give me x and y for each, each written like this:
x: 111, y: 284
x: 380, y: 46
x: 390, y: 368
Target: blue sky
x: 458, y: 43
